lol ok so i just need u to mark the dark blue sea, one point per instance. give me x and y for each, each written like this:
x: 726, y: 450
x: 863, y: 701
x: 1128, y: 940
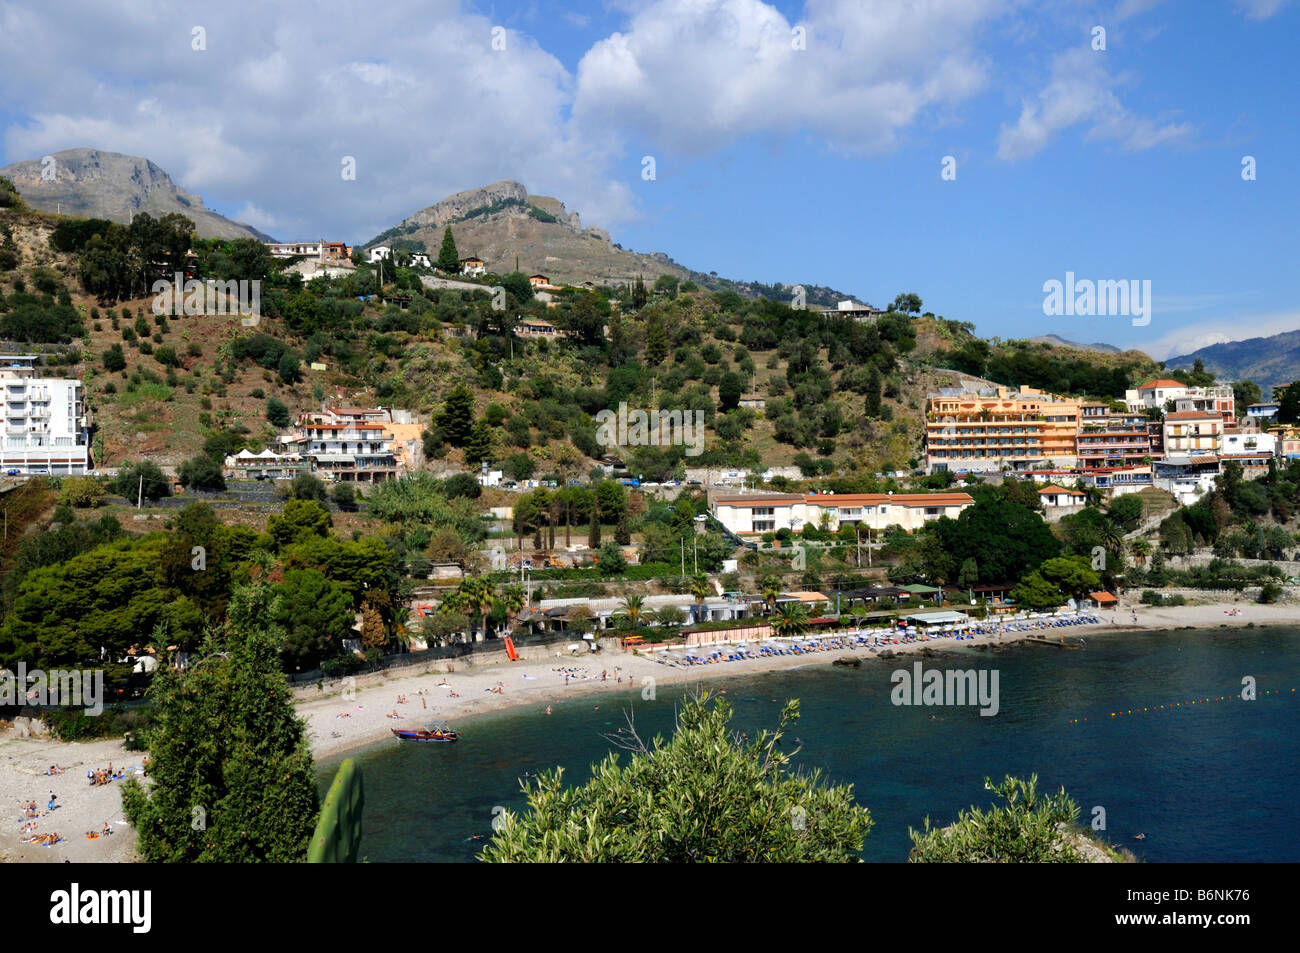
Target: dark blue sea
x: 1211, y: 781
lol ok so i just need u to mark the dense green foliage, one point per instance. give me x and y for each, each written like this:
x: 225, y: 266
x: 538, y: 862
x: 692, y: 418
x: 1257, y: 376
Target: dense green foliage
x: 1024, y: 363
x: 229, y: 760
x: 141, y: 479
x: 1029, y: 829
x: 703, y: 797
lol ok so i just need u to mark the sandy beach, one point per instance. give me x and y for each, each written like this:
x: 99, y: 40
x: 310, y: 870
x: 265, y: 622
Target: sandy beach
x: 345, y: 716
x: 79, y: 806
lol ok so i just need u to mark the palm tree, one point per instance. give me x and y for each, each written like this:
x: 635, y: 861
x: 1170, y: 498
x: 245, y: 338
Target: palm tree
x: 1112, y: 538
x: 514, y: 600
x: 633, y: 607
x: 476, y: 598
x: 770, y: 594
x: 699, y: 589
x: 790, y: 619
x: 1141, y: 550
x: 399, y: 637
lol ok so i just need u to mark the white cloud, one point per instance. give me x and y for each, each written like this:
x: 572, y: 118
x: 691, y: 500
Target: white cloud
x: 691, y: 76
x: 257, y: 217
x: 1132, y: 8
x: 1260, y: 9
x: 266, y: 113
x: 1081, y: 92
x: 426, y: 107
x: 1192, y: 337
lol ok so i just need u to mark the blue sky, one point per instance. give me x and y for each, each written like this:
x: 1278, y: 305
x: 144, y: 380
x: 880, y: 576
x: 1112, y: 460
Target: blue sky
x: 820, y: 165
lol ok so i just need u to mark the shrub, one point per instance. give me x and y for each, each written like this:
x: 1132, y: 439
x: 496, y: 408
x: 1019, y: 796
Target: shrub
x: 343, y: 495
x: 81, y: 492
x: 202, y: 473
x: 277, y: 413
x: 723, y: 798
x: 114, y: 359
x: 141, y: 478
x: 307, y: 487
x: 1029, y: 829
x: 462, y: 485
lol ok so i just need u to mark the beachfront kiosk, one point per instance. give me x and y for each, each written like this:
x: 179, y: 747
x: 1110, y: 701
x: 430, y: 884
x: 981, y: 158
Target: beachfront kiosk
x: 933, y: 623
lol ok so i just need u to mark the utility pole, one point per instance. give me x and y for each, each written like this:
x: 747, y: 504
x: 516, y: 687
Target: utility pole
x: 139, y: 499
x: 683, y: 542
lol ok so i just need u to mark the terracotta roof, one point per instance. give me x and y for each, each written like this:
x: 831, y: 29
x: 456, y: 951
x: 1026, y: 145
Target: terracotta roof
x: 1162, y: 382
x: 899, y: 499
x: 1194, y: 415
x: 1051, y: 488
x: 1102, y: 597
x: 348, y: 426
x: 849, y: 499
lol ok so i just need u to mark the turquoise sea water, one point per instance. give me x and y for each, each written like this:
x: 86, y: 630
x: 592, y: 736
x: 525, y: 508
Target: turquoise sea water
x: 1213, y: 781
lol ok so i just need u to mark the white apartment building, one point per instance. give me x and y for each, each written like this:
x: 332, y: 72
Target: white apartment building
x: 1244, y: 442
x: 349, y: 451
x: 1154, y: 394
x: 320, y: 250
x: 294, y: 249
x: 769, y: 512
x: 45, y: 421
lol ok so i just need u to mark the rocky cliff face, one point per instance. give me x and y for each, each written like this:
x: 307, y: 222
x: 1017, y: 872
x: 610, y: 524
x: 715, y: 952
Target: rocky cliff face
x: 457, y: 206
x: 504, y: 199
x: 114, y: 186
x: 503, y: 224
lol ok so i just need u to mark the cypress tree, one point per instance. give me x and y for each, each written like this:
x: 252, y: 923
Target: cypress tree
x: 448, y: 257
x: 872, y: 403
x: 231, y: 768
x: 457, y: 417
x: 479, y: 444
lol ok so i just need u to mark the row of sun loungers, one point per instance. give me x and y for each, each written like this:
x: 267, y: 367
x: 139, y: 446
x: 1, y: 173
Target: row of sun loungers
x: 743, y: 651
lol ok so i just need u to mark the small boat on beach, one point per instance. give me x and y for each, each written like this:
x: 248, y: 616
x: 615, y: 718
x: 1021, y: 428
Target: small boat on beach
x: 440, y: 733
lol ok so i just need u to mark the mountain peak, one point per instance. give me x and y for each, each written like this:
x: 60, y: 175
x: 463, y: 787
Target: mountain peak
x: 505, y: 199
x: 99, y: 184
